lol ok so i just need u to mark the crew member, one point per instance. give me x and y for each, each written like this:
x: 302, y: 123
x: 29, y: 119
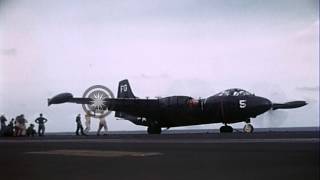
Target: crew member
x: 87, y: 123
x: 31, y: 131
x: 10, y: 128
x: 41, y: 121
x: 79, y: 126
x: 21, y: 125
x: 102, y: 124
x: 3, y: 120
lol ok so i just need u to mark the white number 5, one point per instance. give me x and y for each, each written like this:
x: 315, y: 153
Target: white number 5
x: 242, y: 103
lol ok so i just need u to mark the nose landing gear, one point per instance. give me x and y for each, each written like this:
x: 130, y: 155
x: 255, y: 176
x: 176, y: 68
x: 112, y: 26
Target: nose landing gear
x: 248, y: 128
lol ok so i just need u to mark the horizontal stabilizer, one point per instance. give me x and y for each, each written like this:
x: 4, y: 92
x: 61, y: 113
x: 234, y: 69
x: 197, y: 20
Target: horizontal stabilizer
x: 289, y: 105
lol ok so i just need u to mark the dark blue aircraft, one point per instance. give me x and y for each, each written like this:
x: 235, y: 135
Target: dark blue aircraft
x: 227, y: 107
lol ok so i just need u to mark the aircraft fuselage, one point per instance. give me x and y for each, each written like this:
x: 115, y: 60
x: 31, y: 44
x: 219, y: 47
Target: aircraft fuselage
x: 176, y: 111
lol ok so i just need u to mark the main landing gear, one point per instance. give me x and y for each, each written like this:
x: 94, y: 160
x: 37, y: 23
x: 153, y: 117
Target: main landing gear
x: 226, y: 129
x: 154, y: 130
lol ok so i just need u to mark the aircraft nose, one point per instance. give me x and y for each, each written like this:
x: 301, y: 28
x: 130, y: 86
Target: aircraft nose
x: 266, y: 102
x: 263, y: 105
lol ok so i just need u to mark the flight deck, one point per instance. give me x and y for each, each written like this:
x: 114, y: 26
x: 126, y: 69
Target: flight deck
x: 260, y: 155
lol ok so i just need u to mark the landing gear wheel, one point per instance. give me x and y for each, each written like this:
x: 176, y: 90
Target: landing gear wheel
x: 154, y: 130
x: 248, y: 128
x: 226, y: 129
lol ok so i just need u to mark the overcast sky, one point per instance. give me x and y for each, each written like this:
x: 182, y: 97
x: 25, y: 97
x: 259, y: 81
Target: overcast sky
x: 164, y: 47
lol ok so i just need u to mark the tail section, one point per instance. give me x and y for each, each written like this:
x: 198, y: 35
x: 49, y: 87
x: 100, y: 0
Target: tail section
x: 124, y: 90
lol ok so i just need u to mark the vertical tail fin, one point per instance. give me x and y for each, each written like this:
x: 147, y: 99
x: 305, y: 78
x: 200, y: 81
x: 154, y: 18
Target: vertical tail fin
x: 124, y: 90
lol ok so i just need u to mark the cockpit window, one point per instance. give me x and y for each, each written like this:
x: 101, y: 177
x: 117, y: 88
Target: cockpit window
x: 234, y: 92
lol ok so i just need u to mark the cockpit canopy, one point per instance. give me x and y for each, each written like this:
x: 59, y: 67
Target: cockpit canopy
x: 234, y: 92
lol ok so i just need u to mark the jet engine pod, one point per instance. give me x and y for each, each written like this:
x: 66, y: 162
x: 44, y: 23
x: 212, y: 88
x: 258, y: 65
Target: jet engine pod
x: 60, y: 98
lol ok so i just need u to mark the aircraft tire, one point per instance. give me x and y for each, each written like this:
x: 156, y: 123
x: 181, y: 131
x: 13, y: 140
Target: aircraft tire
x: 154, y: 130
x: 248, y: 128
x: 226, y: 129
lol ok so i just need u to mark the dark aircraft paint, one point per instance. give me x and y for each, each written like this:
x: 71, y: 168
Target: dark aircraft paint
x: 230, y: 106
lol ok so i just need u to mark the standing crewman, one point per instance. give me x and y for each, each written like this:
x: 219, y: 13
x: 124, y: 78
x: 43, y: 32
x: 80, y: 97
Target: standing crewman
x: 41, y: 121
x: 79, y: 126
x: 10, y: 128
x: 87, y: 123
x: 3, y: 120
x: 102, y: 124
x: 21, y: 125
